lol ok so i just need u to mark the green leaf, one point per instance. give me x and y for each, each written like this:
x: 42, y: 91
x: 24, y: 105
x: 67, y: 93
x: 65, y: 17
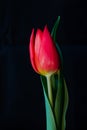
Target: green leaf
x: 53, y: 33
x: 60, y: 53
x: 44, y: 84
x: 50, y: 120
x: 66, y: 100
x: 54, y: 86
x: 61, y: 103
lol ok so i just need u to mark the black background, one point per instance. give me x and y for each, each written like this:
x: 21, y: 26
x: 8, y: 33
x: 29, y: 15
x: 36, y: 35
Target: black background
x: 21, y: 95
x: 17, y: 18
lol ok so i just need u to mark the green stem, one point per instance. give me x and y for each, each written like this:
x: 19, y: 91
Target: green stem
x: 50, y: 96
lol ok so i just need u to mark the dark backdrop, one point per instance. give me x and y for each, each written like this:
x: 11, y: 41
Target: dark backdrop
x: 21, y: 95
x: 18, y: 17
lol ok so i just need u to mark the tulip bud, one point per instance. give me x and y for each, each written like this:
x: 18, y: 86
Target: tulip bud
x: 44, y: 56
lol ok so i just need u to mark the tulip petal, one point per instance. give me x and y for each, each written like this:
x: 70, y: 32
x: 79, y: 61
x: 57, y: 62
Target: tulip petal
x: 32, y: 53
x: 38, y: 42
x: 48, y: 55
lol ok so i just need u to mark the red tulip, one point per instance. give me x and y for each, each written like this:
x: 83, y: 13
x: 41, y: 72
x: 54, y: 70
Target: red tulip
x: 44, y: 56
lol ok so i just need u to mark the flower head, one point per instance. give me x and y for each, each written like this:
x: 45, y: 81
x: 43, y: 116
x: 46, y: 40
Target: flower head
x: 44, y: 56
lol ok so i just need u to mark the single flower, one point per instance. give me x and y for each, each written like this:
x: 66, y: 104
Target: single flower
x: 44, y: 56
x: 46, y: 59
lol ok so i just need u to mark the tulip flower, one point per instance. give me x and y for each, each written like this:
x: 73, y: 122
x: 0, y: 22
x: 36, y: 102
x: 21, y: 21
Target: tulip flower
x: 46, y: 59
x: 43, y: 53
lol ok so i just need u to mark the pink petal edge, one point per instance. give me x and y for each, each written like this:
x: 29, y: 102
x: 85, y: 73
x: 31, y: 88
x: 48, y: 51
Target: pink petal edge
x: 31, y: 50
